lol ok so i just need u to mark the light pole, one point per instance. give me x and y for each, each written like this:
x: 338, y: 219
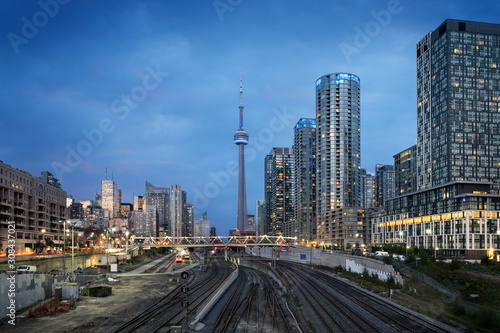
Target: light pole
x: 107, y: 250
x: 72, y: 247
x: 435, y: 253
x: 64, y: 250
x: 126, y: 246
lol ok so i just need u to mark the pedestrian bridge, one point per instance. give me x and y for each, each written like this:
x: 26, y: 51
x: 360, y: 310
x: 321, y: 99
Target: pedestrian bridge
x: 219, y: 241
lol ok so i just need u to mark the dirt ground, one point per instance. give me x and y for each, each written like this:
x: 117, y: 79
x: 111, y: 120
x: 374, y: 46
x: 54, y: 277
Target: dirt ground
x: 100, y: 314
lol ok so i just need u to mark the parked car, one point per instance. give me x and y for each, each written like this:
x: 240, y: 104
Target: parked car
x: 381, y: 254
x: 57, y: 271
x: 26, y: 269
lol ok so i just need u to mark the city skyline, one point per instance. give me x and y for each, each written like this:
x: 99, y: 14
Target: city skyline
x: 66, y: 90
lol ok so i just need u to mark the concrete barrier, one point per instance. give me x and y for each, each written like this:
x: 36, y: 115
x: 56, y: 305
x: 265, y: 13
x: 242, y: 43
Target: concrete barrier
x: 314, y: 257
x: 214, y: 298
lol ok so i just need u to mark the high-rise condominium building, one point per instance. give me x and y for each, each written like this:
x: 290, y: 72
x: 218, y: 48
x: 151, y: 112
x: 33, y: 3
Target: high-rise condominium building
x: 109, y: 197
x: 304, y: 150
x: 338, y: 158
x: 405, y: 173
x: 176, y: 210
x: 455, y: 205
x: 281, y: 191
x: 338, y: 142
x: 384, y: 184
x: 367, y: 189
x: 188, y: 218
x: 160, y: 198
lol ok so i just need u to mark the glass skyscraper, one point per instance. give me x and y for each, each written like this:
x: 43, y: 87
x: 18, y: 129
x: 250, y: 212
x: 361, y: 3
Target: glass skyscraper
x: 304, y: 150
x: 458, y: 112
x: 280, y: 195
x: 160, y: 198
x: 338, y: 142
x: 447, y: 184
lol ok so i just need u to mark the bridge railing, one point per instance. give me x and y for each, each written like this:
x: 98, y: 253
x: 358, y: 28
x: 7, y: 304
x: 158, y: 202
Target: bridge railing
x: 215, y: 241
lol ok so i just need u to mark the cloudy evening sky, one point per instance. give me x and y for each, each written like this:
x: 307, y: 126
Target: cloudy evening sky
x: 149, y: 89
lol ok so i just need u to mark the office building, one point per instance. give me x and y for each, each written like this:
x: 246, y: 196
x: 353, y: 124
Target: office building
x: 268, y: 170
x: 109, y: 197
x: 281, y: 192
x: 176, y: 210
x: 201, y: 227
x: 304, y: 149
x: 36, y: 208
x: 160, y: 198
x: 456, y: 202
x: 188, y: 219
x: 259, y: 216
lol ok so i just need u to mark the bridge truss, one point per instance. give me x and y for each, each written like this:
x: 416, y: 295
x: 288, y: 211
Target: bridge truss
x: 219, y: 241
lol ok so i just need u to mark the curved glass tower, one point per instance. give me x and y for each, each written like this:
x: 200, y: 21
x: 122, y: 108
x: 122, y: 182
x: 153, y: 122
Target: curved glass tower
x: 338, y: 142
x: 241, y: 140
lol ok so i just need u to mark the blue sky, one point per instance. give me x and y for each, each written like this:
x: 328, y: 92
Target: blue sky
x: 150, y: 89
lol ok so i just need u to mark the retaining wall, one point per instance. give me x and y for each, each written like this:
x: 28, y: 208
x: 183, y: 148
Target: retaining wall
x: 31, y: 288
x: 313, y: 257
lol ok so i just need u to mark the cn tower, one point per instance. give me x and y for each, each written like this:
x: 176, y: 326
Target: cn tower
x: 241, y: 140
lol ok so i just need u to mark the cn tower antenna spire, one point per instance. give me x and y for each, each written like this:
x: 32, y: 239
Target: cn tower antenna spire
x: 241, y: 140
x: 241, y: 100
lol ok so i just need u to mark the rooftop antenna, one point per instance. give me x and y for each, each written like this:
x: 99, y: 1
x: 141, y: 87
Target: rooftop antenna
x: 241, y: 100
x: 106, y: 173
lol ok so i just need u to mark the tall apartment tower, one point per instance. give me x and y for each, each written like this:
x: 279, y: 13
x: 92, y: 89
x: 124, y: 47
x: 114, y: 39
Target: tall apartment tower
x: 405, y: 175
x: 456, y: 160
x: 241, y: 140
x: 176, y: 210
x: 367, y: 189
x: 280, y: 195
x: 384, y: 184
x: 304, y: 150
x: 458, y: 103
x: 338, y: 142
x: 160, y: 198
x: 268, y: 183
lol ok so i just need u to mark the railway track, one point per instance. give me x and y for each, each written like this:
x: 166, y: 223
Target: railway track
x: 373, y: 313
x: 333, y: 316
x: 160, y: 264
x: 198, y: 295
x: 252, y: 306
x: 168, y: 310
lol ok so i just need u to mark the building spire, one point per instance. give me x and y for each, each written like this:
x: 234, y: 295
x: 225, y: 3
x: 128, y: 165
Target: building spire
x: 241, y: 101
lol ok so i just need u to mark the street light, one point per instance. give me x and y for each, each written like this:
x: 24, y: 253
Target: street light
x: 107, y: 251
x: 435, y: 252
x: 64, y: 250
x: 126, y: 246
x: 72, y: 248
